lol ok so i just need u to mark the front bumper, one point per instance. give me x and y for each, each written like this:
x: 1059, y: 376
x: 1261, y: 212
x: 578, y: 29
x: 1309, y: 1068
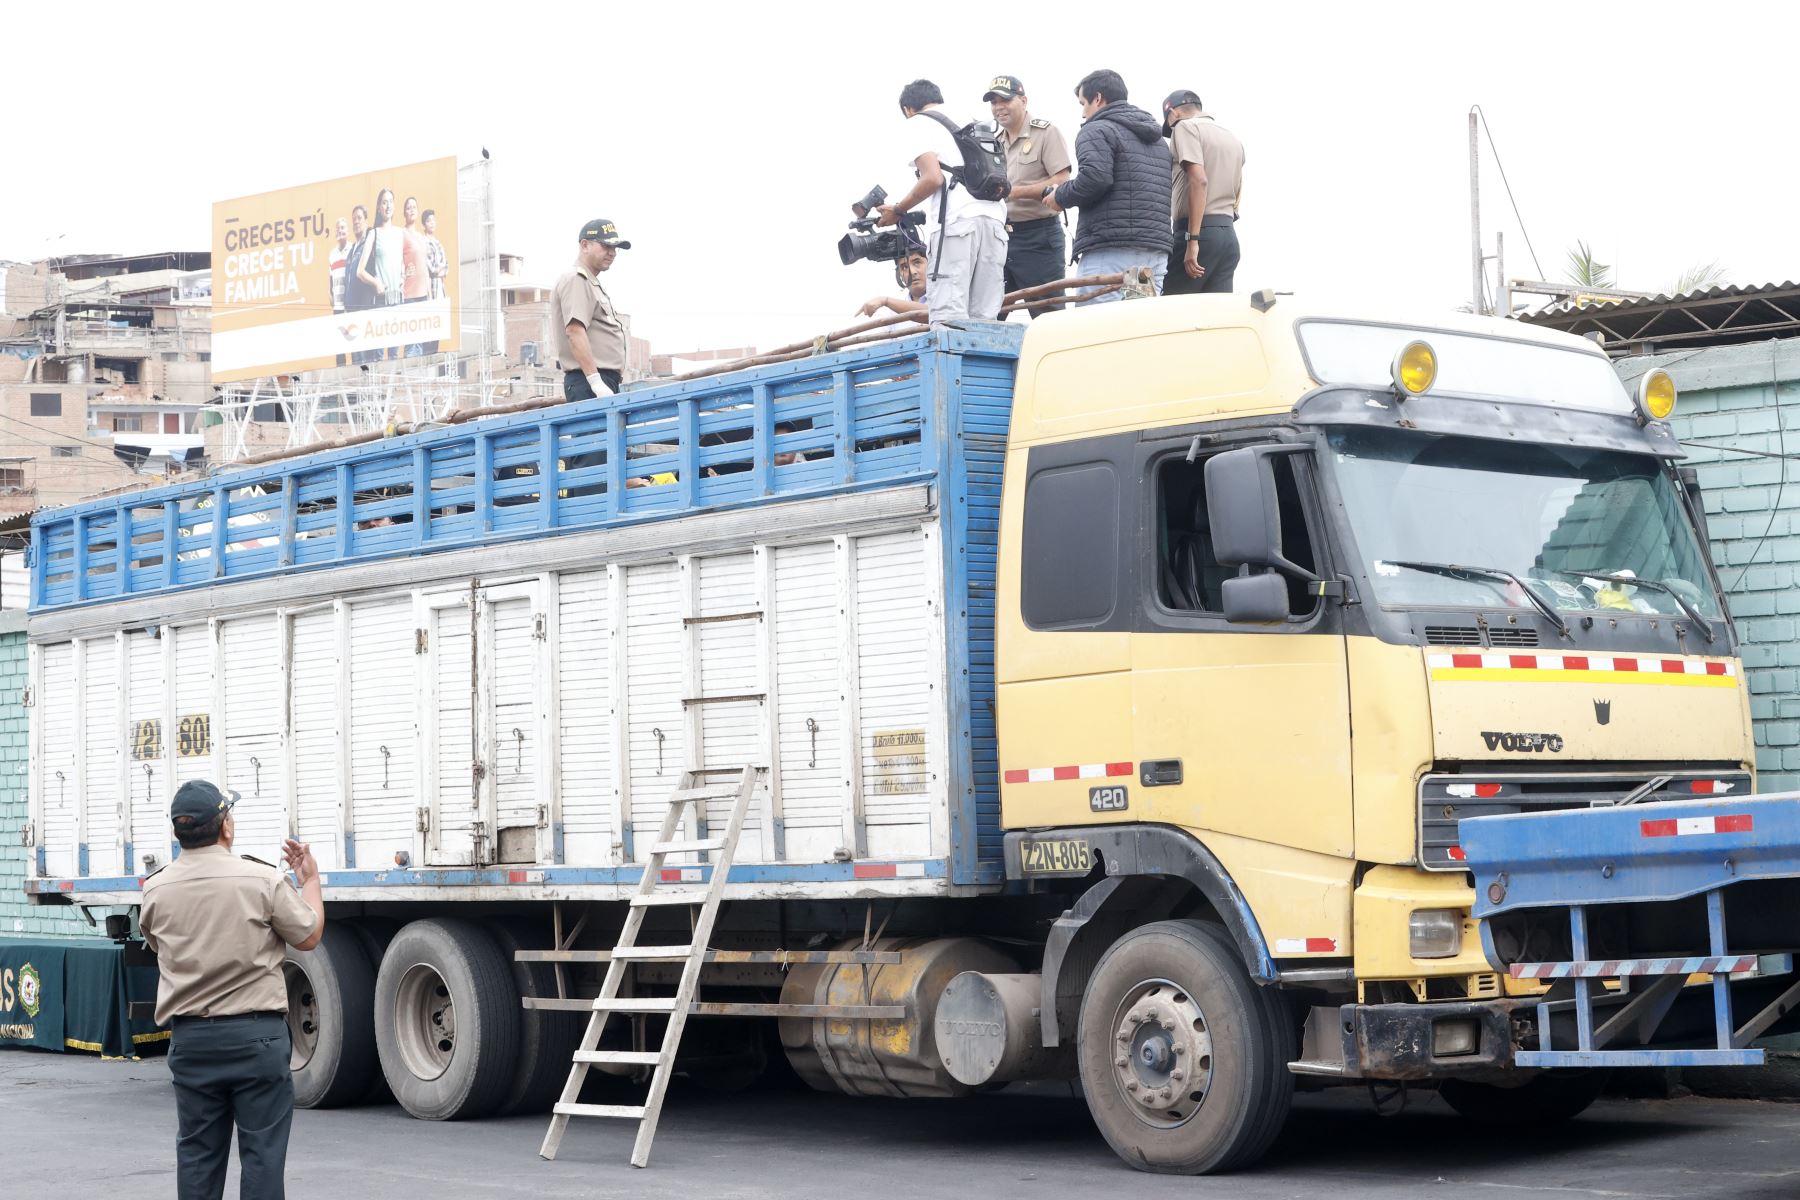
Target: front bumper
x: 1402, y: 1041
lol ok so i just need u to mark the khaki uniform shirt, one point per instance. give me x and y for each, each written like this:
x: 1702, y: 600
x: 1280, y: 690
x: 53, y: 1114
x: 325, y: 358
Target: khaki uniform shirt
x: 1040, y: 152
x: 579, y: 297
x: 219, y: 924
x: 1202, y: 140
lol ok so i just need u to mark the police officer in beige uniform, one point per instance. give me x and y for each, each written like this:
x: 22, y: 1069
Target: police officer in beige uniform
x: 590, y: 338
x: 1037, y: 156
x: 217, y: 923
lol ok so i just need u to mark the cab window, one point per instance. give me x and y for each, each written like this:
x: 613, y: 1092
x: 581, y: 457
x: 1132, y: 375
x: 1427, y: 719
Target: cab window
x: 1189, y: 577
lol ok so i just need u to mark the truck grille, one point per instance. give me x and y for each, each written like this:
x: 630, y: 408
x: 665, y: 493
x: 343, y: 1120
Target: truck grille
x: 1446, y: 799
x: 1470, y: 635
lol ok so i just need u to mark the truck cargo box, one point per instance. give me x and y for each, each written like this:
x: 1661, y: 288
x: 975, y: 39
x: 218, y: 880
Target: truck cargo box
x: 473, y: 661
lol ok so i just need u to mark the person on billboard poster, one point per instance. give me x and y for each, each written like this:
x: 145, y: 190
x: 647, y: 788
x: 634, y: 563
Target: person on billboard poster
x: 359, y: 296
x: 437, y: 261
x: 418, y: 267
x: 383, y: 262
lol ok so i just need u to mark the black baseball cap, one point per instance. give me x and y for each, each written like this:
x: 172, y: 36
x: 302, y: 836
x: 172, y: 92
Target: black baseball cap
x: 198, y: 802
x: 1176, y: 100
x: 601, y: 230
x: 1005, y: 87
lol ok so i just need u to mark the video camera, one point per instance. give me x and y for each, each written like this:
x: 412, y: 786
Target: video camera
x: 889, y: 245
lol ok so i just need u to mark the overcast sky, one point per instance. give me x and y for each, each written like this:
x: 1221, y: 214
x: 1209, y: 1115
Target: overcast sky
x: 728, y: 140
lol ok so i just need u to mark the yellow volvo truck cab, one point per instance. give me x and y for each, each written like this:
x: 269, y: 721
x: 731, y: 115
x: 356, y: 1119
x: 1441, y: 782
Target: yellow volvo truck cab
x: 1284, y: 593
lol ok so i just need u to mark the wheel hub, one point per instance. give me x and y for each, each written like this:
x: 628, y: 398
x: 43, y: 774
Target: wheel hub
x: 424, y: 1022
x: 302, y: 1015
x: 1163, y: 1064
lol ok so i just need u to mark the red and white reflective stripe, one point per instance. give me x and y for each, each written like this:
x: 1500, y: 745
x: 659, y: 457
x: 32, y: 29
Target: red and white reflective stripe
x: 524, y: 877
x: 1312, y: 945
x: 1613, y: 968
x: 1456, y: 852
x: 1582, y: 662
x: 683, y: 874
x: 1709, y: 787
x: 1690, y: 826
x: 1472, y: 791
x: 1084, y: 771
x: 905, y: 870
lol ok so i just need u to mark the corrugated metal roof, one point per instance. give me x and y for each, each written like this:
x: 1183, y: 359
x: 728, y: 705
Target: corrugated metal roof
x: 1717, y: 316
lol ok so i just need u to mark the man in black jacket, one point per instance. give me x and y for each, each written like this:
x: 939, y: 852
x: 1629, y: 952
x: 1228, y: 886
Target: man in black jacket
x: 1121, y: 184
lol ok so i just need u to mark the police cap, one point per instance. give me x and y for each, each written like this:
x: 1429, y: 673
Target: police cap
x: 198, y: 802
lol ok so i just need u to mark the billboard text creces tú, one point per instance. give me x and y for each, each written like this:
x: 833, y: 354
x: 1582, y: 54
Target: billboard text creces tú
x: 354, y: 271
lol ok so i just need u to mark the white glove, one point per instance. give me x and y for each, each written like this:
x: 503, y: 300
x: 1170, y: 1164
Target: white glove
x: 598, y: 383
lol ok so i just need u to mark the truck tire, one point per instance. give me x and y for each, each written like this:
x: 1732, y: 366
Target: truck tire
x: 331, y: 1018
x: 375, y: 934
x: 1183, y: 1058
x: 1548, y: 1098
x: 547, y: 1040
x: 446, y: 1020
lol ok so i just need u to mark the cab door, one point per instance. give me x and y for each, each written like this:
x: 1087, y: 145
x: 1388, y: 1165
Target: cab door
x: 1237, y: 729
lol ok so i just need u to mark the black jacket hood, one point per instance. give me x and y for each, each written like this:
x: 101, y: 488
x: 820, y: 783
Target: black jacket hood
x: 1133, y: 118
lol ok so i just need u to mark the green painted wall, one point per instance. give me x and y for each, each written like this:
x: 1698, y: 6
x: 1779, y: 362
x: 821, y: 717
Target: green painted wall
x: 1731, y: 413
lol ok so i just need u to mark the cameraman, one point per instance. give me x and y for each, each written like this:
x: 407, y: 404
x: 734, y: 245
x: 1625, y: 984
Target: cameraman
x: 968, y: 252
x: 909, y: 273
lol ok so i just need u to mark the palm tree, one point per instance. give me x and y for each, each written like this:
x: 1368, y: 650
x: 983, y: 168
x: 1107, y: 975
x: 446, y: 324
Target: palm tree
x: 1587, y: 271
x: 1699, y: 278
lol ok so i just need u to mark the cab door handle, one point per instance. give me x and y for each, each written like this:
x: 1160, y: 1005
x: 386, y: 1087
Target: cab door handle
x: 1160, y: 772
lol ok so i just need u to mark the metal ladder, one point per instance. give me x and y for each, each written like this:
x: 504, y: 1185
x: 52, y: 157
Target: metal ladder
x: 650, y: 893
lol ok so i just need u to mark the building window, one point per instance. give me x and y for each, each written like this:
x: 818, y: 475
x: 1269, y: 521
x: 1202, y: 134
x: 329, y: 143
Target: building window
x: 65, y: 452
x: 128, y: 422
x: 46, y: 404
x: 12, y: 477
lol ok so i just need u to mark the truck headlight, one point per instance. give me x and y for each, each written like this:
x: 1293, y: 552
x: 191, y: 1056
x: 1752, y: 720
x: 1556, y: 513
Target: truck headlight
x: 1435, y: 932
x: 1454, y: 1037
x: 1655, y: 396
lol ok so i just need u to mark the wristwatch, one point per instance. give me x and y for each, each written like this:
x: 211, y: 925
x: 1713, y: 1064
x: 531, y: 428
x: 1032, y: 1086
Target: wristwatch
x: 1192, y: 237
x: 1045, y: 195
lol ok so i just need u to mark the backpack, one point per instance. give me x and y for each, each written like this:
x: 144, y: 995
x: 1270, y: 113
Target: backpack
x: 983, y: 170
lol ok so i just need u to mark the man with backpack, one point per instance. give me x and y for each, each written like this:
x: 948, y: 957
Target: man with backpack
x: 1121, y: 185
x: 962, y: 187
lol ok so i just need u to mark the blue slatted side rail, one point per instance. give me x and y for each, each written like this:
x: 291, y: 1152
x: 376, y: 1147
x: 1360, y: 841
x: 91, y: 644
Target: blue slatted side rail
x: 837, y: 422
x: 986, y: 396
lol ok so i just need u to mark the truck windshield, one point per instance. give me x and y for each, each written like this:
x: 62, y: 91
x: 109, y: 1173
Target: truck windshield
x: 1577, y: 526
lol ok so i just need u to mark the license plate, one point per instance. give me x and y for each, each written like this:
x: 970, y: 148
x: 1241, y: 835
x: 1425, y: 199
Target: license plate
x: 1056, y: 856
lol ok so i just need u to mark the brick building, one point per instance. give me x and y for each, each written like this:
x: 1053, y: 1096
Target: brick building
x: 104, y: 370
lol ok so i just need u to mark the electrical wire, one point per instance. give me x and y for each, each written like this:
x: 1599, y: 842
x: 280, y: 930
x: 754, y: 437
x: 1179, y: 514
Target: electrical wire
x: 1476, y: 109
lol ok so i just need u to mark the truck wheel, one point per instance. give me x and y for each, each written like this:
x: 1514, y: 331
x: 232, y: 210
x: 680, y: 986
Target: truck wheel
x: 446, y: 1020
x: 1183, y: 1058
x: 547, y: 1040
x: 331, y: 1017
x: 1548, y: 1098
x: 375, y: 933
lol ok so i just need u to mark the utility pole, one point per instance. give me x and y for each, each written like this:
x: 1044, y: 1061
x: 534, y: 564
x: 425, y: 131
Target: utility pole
x: 1478, y: 293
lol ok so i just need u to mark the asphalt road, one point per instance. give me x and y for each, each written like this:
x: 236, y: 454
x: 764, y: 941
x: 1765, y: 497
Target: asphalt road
x: 74, y: 1126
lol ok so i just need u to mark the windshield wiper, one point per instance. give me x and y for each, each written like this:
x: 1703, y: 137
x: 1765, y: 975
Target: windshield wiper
x: 1693, y: 613
x: 1456, y: 571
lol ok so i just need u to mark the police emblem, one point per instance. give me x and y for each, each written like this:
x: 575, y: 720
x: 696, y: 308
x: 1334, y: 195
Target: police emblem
x: 31, y: 990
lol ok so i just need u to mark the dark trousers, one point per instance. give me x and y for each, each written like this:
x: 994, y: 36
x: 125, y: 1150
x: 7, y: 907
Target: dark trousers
x: 575, y: 384
x: 231, y: 1070
x: 1035, y: 254
x: 1218, y: 254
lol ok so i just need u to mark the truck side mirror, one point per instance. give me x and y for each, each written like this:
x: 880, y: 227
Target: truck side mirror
x: 1243, y: 512
x: 1256, y: 599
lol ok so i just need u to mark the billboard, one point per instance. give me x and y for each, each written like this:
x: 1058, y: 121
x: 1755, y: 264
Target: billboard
x: 351, y: 272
